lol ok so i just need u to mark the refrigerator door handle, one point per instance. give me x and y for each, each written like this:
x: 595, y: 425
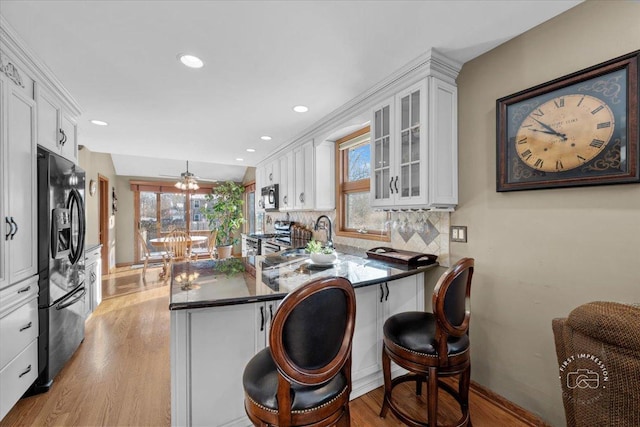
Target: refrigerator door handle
x: 62, y: 304
x: 77, y: 251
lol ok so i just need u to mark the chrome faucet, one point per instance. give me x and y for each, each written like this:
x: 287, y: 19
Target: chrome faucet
x: 329, y: 241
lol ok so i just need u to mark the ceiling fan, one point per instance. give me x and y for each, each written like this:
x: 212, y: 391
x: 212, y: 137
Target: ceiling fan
x: 187, y: 180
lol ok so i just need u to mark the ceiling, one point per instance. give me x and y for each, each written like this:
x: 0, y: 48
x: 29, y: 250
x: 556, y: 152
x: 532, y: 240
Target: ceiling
x: 119, y: 60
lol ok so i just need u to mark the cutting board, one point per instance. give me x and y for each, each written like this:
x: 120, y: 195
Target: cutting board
x: 401, y: 257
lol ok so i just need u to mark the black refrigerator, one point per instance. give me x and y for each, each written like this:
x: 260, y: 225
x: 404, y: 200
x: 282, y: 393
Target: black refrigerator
x: 61, y: 236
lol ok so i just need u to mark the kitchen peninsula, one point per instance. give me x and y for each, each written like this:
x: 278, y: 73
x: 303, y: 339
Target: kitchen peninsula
x: 220, y: 318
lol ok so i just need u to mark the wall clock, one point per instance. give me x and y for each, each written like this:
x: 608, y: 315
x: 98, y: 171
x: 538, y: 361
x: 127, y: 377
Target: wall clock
x: 581, y: 129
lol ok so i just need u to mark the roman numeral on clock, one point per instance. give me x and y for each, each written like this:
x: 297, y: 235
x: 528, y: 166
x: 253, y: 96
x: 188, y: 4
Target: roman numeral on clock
x: 539, y: 163
x: 597, y: 109
x: 581, y: 158
x: 523, y: 140
x: 604, y: 125
x: 526, y: 154
x: 559, y: 165
x: 537, y: 113
x: 597, y: 143
x: 559, y: 103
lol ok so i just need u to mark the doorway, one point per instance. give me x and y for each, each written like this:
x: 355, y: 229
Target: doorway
x: 103, y: 188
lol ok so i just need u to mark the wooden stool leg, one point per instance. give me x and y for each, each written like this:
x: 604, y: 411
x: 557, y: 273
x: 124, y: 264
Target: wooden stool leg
x: 386, y: 370
x: 463, y: 391
x: 419, y: 387
x: 432, y: 397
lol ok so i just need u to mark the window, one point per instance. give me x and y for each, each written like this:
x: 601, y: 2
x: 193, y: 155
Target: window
x: 355, y: 217
x: 160, y: 208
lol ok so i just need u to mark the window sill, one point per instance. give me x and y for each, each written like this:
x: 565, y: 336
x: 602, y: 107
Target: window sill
x: 364, y: 236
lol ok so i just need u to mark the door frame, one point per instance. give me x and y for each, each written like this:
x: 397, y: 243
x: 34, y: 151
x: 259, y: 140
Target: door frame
x: 103, y: 209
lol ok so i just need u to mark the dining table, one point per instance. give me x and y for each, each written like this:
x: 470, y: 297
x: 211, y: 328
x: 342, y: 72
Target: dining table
x: 160, y: 242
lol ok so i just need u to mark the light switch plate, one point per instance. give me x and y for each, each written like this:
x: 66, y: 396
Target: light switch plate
x: 459, y: 233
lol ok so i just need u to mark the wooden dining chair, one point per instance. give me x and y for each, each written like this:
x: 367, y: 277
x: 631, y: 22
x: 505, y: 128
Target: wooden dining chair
x: 210, y: 247
x: 178, y: 247
x: 146, y: 255
x: 304, y: 377
x: 431, y: 346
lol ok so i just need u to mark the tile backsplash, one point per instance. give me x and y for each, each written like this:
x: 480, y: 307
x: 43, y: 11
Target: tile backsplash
x: 413, y: 231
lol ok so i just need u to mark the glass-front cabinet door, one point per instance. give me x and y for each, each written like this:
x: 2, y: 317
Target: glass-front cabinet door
x: 410, y: 182
x: 382, y: 172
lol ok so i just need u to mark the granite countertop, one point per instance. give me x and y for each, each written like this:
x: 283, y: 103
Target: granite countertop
x: 226, y: 282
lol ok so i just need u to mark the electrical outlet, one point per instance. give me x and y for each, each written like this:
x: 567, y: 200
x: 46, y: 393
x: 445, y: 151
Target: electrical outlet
x: 459, y: 233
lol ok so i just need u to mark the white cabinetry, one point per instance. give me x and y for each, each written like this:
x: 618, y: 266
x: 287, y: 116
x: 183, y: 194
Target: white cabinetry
x: 303, y: 176
x: 17, y: 184
x: 414, y: 148
x: 375, y: 304
x: 57, y: 129
x: 18, y: 341
x: 209, y: 350
x: 93, y: 279
x: 287, y: 178
x: 260, y: 182
x: 325, y: 176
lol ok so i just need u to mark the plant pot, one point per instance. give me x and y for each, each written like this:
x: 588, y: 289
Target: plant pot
x: 224, y: 251
x: 320, y: 258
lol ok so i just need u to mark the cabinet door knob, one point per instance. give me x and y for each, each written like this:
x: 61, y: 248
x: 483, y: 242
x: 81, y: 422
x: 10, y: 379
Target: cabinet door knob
x: 301, y: 197
x: 284, y: 200
x: 391, y: 185
x: 25, y: 327
x: 386, y: 285
x: 25, y: 289
x: 381, y: 293
x: 396, y: 184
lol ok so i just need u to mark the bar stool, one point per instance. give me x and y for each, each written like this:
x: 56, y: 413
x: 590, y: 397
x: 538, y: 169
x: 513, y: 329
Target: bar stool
x: 432, y: 345
x: 304, y: 376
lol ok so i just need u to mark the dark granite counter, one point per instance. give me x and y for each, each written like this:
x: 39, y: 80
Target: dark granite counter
x: 226, y: 282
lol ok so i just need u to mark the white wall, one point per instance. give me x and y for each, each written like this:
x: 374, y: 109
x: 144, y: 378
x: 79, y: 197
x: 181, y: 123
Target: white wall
x: 539, y: 254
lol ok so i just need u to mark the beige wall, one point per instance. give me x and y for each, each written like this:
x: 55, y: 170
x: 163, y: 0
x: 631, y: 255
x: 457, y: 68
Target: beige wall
x: 94, y: 164
x: 540, y: 253
x: 126, y: 214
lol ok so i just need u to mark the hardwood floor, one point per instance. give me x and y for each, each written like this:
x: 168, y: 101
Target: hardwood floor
x: 120, y: 375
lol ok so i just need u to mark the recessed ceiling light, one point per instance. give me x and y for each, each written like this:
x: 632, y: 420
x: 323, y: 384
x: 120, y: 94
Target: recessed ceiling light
x: 99, y: 123
x: 240, y: 159
x: 190, y: 60
x: 300, y: 109
x: 251, y: 150
x: 265, y: 138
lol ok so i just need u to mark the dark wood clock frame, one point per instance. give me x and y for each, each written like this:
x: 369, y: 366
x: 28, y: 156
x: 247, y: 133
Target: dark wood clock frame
x: 613, y: 83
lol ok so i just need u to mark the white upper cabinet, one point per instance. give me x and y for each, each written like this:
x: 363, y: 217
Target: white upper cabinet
x: 17, y: 182
x: 57, y: 128
x: 414, y: 142
x: 287, y: 178
x: 414, y: 148
x: 303, y: 177
x: 382, y: 172
x: 325, y: 176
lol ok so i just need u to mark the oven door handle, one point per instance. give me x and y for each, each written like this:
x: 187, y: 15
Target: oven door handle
x: 62, y: 304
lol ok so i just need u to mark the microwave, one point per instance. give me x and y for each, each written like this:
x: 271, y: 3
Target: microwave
x: 270, y: 197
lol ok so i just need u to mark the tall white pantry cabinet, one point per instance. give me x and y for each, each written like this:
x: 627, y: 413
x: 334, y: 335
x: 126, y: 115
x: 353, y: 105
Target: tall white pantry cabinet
x: 24, y: 80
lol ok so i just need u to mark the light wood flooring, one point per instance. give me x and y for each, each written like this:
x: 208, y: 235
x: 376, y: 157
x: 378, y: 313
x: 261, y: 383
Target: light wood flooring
x: 120, y: 375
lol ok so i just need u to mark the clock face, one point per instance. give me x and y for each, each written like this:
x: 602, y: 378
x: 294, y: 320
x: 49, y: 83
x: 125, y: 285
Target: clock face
x: 565, y: 133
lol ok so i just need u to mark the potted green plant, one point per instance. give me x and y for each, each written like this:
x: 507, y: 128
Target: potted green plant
x: 223, y: 210
x: 320, y: 254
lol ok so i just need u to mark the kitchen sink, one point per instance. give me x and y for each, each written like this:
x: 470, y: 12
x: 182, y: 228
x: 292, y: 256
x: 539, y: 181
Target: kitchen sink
x: 296, y: 252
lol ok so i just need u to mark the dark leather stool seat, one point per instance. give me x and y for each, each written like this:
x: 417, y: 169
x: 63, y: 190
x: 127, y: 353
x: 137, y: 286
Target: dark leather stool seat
x: 260, y: 381
x: 304, y: 376
x: 416, y: 332
x: 432, y: 345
